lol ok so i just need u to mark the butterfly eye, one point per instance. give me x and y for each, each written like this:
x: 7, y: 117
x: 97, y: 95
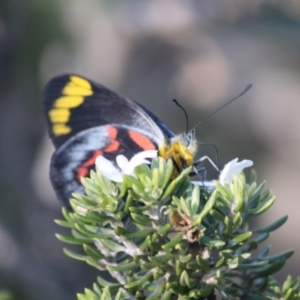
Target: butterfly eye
x: 188, y: 139
x: 192, y: 134
x: 185, y: 141
x: 191, y: 137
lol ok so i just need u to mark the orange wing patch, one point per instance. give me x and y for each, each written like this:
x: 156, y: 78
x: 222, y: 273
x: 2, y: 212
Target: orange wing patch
x: 82, y: 171
x: 141, y: 140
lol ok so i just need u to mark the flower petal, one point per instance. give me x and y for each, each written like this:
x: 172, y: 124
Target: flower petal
x: 116, y: 176
x: 122, y: 161
x: 104, y: 165
x: 107, y: 168
x: 147, y: 154
x: 139, y: 159
x: 234, y: 168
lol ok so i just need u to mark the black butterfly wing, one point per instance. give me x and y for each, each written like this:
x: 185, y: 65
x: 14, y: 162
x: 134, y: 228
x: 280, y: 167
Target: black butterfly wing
x: 85, y: 120
x: 73, y: 104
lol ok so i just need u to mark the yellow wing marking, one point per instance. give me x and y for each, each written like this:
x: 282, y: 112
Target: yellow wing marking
x: 73, y: 95
x: 61, y: 129
x: 72, y: 90
x: 59, y: 115
x: 68, y: 101
x: 81, y: 82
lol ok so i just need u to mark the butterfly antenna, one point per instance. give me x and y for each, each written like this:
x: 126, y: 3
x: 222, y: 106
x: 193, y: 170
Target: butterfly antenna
x: 186, y: 115
x: 221, y: 107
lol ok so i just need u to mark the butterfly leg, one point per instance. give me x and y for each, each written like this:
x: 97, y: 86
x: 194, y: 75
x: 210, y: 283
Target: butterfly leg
x: 200, y: 161
x: 198, y: 172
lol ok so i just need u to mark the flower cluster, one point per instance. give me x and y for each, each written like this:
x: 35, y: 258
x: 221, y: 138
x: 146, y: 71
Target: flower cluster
x: 126, y: 167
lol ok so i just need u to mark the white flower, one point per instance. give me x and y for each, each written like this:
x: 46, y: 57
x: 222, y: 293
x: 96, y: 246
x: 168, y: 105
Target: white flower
x: 230, y: 169
x: 107, y: 168
x: 234, y: 168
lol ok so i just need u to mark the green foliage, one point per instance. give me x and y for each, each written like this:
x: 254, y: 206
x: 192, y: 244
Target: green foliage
x: 171, y: 239
x: 6, y: 295
x: 290, y: 290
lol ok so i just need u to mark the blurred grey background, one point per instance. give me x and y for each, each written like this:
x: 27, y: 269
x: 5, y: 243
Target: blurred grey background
x: 202, y: 53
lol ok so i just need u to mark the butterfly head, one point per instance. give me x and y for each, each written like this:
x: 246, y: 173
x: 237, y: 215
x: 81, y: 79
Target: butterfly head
x: 181, y: 149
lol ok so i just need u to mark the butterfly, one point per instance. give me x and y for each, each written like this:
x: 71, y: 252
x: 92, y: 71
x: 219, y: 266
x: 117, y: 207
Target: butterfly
x: 86, y: 119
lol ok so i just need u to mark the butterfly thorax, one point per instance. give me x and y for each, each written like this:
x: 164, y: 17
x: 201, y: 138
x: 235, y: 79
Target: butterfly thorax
x: 181, y: 149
